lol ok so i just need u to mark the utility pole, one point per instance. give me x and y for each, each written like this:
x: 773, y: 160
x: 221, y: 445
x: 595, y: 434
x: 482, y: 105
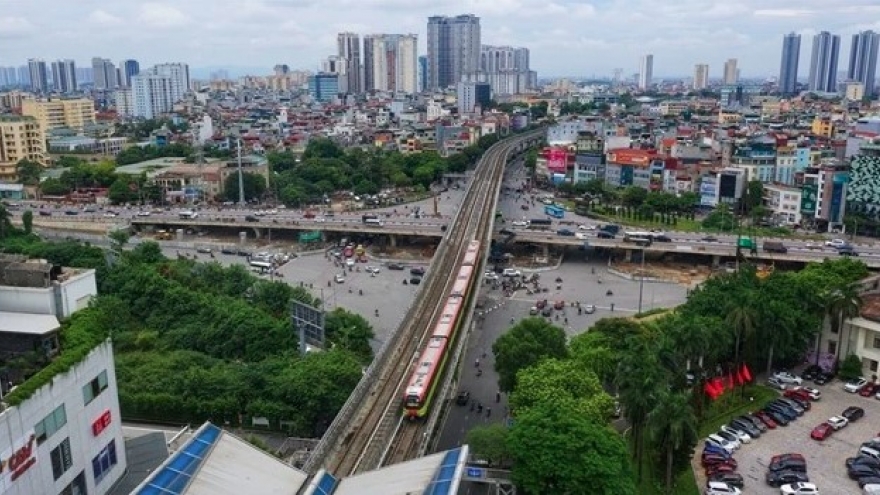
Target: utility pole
x: 641, y: 280
x: 240, y: 178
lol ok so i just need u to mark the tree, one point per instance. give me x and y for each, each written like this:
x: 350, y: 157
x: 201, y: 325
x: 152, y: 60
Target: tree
x: 254, y: 186
x: 742, y: 320
x: 489, y: 443
x: 118, y: 239
x: 53, y: 187
x: 27, y: 221
x: 673, y: 428
x: 29, y: 172
x: 639, y: 377
x: 6, y: 228
x: 556, y: 381
x: 555, y: 451
x: 843, y: 304
x: 524, y: 345
x: 281, y: 161
x: 633, y: 196
x: 322, y: 148
x: 123, y: 190
x: 850, y: 368
x: 754, y: 196
x: 351, y: 332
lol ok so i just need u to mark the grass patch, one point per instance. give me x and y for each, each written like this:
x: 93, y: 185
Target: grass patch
x: 731, y: 405
x: 651, y: 312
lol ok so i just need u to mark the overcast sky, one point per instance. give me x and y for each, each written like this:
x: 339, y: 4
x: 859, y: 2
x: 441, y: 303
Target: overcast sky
x: 566, y: 37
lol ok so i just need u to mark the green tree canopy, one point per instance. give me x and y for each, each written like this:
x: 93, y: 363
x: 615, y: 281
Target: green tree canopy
x: 28, y: 172
x: 555, y: 381
x: 524, y: 345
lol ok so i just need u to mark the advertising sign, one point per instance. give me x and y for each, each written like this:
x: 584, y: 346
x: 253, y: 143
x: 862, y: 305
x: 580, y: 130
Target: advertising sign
x: 101, y: 423
x: 17, y: 459
x: 556, y: 160
x: 809, y: 195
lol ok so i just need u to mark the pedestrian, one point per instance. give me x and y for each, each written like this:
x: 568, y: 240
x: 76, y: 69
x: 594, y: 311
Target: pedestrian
x: 488, y: 412
x: 612, y: 306
x: 498, y: 396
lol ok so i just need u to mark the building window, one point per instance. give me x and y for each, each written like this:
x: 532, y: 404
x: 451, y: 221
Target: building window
x: 50, y: 424
x: 104, y: 461
x: 77, y: 486
x: 61, y: 458
x: 872, y: 365
x: 876, y: 342
x: 832, y: 347
x: 95, y: 387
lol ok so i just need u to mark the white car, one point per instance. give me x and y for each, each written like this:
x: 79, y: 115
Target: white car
x: 586, y: 227
x: 511, y: 272
x: 580, y: 235
x: 349, y: 262
x: 372, y: 269
x: 730, y: 437
x: 812, y: 392
x: 741, y: 435
x: 143, y: 213
x: 836, y: 243
x: 520, y: 223
x: 854, y: 386
x: 787, y: 378
x: 799, y: 489
x: 110, y: 215
x: 725, y: 444
x: 491, y: 276
x: 837, y: 422
x: 719, y: 488
x: 340, y: 279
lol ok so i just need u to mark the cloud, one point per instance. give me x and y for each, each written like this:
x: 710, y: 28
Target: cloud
x: 159, y: 15
x: 103, y: 18
x: 15, y: 27
x: 784, y: 13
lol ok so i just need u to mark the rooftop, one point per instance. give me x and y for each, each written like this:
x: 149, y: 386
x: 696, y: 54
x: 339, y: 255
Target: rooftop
x: 871, y: 307
x: 27, y: 323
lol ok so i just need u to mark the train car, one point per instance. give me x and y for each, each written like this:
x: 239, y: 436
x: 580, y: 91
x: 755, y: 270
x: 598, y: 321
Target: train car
x: 462, y: 281
x: 420, y: 388
x: 472, y: 254
x: 448, y: 318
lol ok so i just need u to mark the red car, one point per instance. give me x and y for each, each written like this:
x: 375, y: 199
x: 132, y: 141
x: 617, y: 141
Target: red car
x: 710, y: 460
x: 787, y: 457
x: 869, y: 390
x: 797, y: 394
x: 821, y: 432
x: 765, y: 418
x: 719, y: 468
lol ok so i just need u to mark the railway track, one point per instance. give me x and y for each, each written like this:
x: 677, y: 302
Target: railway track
x: 377, y: 434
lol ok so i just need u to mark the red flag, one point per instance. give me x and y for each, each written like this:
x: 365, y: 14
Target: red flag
x: 747, y: 375
x: 707, y: 388
x: 739, y: 378
x: 718, y: 385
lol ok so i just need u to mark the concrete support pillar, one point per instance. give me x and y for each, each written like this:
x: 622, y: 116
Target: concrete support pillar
x: 392, y: 240
x: 269, y: 235
x: 628, y: 257
x: 256, y: 232
x: 716, y: 261
x: 546, y: 251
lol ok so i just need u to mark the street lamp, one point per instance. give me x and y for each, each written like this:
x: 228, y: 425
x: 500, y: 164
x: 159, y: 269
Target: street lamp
x: 642, y: 280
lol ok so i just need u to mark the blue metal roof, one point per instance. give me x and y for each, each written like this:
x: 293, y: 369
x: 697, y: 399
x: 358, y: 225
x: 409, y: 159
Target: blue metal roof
x: 175, y: 475
x: 445, y: 479
x: 327, y: 485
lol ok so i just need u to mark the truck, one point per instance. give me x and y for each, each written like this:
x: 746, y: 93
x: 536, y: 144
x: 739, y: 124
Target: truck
x: 368, y: 218
x: 775, y: 247
x: 540, y: 223
x: 747, y: 243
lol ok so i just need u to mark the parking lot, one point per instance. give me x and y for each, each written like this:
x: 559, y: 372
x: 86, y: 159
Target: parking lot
x: 825, y: 459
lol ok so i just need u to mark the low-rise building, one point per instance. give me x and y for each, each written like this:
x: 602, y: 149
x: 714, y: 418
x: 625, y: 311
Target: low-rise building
x: 21, y: 138
x: 73, y: 113
x: 783, y: 203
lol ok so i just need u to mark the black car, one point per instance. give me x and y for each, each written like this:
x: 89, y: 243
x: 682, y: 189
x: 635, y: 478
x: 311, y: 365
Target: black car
x: 785, y: 477
x: 783, y: 410
x: 853, y: 413
x: 45, y: 213
x: 790, y: 464
x: 415, y: 281
x: 243, y: 253
x: 804, y: 404
x: 732, y: 479
x: 791, y: 404
x: 811, y: 372
x: 565, y: 232
x: 227, y: 250
x: 778, y: 417
x: 396, y: 266
x: 662, y: 238
x: 604, y: 235
x: 71, y: 212
x: 251, y: 218
x: 863, y: 460
x: 463, y: 398
x: 847, y: 251
x: 857, y: 471
x: 823, y: 378
x: 755, y: 421
x: 417, y: 271
x: 746, y: 426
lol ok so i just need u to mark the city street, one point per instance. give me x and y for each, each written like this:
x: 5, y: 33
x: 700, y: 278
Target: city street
x: 579, y: 284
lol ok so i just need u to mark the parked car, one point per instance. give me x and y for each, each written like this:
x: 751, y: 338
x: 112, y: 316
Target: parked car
x: 821, y: 432
x: 718, y: 469
x: 766, y: 419
x: 823, y: 378
x: 712, y: 459
x: 791, y: 404
x: 715, y: 449
x: 869, y: 390
x: 721, y: 442
x: 792, y: 464
x: 837, y: 422
x: 730, y: 437
x: 779, y: 408
x: 738, y: 433
x: 811, y: 393
x: 853, y: 413
x: 799, y: 489
x: 857, y: 471
x: 721, y: 488
x: 790, y: 456
x: 778, y: 418
x: 787, y: 378
x: 862, y: 459
x: 746, y: 426
x: 811, y: 371
x: 396, y: 266
x: 776, y: 383
x: 779, y: 478
x: 732, y: 479
x: 853, y: 386
x: 751, y: 418
x: 419, y: 271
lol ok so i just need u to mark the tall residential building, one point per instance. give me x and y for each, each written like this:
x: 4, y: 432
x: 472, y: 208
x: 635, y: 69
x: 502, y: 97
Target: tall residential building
x: 823, y: 62
x: 646, y: 72
x: 21, y: 138
x: 130, y: 68
x: 863, y: 60
x: 391, y: 62
x: 38, y: 75
x: 453, y: 50
x: 104, y: 73
x: 788, y: 69
x: 152, y: 95
x: 85, y: 75
x: 74, y: 114
x: 701, y: 76
x: 731, y: 74
x: 506, y: 69
x: 178, y: 75
x: 472, y: 95
x: 24, y: 75
x: 423, y: 73
x: 64, y: 76
x: 8, y: 76
x: 349, y: 49
x: 124, y: 99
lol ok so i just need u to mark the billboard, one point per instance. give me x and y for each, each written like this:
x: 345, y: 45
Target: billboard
x: 17, y: 459
x: 809, y: 195
x: 556, y: 160
x: 308, y: 321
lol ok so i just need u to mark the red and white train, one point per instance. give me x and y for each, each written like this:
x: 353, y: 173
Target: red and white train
x: 423, y: 383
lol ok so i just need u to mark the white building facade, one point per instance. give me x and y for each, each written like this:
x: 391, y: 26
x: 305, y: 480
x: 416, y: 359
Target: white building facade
x: 67, y: 437
x: 152, y: 95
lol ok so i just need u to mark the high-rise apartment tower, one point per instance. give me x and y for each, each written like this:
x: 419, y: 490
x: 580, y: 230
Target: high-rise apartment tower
x: 453, y: 50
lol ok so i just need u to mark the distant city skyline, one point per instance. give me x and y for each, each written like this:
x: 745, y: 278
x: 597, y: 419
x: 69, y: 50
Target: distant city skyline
x: 566, y: 37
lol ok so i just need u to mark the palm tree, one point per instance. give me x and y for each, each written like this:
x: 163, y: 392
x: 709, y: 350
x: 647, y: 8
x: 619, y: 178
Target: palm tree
x: 637, y: 382
x: 841, y: 305
x: 5, y: 221
x: 673, y: 427
x: 742, y: 319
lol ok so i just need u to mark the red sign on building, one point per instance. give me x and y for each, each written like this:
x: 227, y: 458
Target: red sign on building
x: 101, y: 424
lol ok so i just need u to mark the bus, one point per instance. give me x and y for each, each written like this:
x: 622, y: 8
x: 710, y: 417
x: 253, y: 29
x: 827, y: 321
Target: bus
x: 639, y: 238
x: 263, y: 266
x: 367, y: 218
x: 373, y: 222
x: 540, y: 223
x: 554, y: 211
x: 188, y: 215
